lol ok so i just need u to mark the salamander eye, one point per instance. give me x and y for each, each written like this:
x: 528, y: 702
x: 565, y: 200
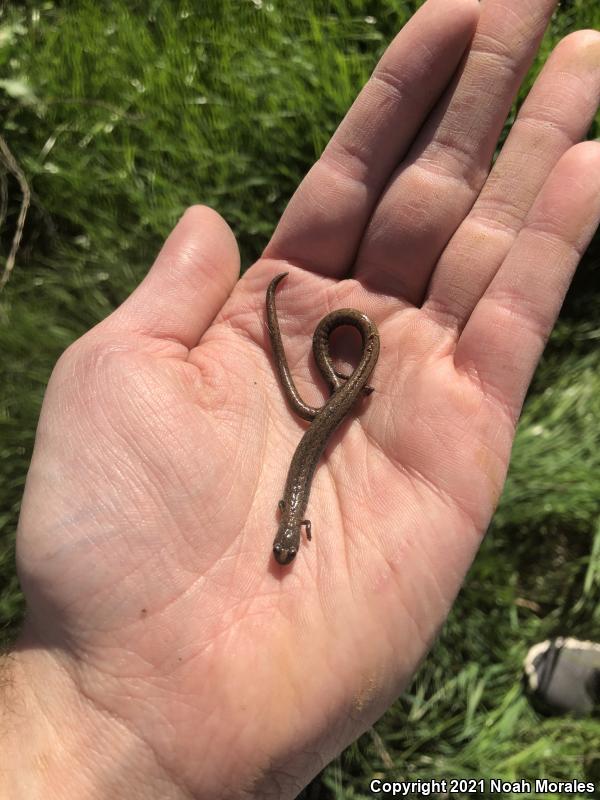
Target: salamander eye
x: 293, y: 551
x: 277, y: 548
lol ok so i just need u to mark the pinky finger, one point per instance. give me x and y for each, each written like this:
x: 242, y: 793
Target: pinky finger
x: 506, y: 334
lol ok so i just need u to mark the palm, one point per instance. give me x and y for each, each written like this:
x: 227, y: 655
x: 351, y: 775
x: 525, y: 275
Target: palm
x: 145, y: 538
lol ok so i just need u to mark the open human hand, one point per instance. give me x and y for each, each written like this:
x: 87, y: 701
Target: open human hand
x: 166, y: 654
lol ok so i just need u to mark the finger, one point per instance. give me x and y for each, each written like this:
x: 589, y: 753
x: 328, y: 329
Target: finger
x: 436, y: 186
x: 325, y: 219
x: 556, y: 115
x: 505, y: 336
x: 188, y: 283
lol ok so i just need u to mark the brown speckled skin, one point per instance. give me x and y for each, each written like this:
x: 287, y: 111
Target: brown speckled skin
x: 324, y: 420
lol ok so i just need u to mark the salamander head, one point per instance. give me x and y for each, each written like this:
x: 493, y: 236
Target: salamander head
x: 286, y: 542
x: 284, y: 555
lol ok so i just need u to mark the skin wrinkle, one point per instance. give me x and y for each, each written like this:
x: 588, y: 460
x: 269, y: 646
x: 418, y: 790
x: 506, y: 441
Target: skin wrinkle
x: 374, y: 444
x: 350, y: 585
x: 523, y: 22
x: 546, y: 230
x: 382, y: 93
x: 223, y: 498
x: 413, y: 473
x: 455, y: 127
x: 470, y: 369
x: 489, y: 49
x: 496, y: 219
x: 346, y: 160
x: 96, y: 707
x: 243, y: 333
x: 174, y: 478
x: 493, y: 471
x: 425, y: 54
x: 381, y: 234
x: 223, y: 614
x: 312, y: 262
x: 345, y: 540
x: 118, y: 716
x: 452, y: 314
x: 170, y: 774
x: 510, y: 302
x: 154, y: 610
x: 429, y: 588
x: 504, y: 177
x: 466, y: 179
x: 324, y: 580
x: 157, y: 478
x: 393, y: 568
x: 211, y: 516
x: 208, y: 385
x: 577, y: 85
x: 511, y: 411
x: 404, y: 544
x: 396, y: 86
x: 541, y: 125
x: 342, y: 175
x: 327, y: 604
x: 448, y: 315
x: 454, y: 143
x: 101, y: 499
x: 346, y: 479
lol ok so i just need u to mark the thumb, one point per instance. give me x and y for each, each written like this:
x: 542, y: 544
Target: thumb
x: 188, y: 283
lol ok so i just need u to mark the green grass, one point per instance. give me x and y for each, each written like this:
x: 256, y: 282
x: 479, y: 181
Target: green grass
x: 121, y: 115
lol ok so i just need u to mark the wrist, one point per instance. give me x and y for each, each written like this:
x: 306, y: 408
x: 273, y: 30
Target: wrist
x: 57, y: 744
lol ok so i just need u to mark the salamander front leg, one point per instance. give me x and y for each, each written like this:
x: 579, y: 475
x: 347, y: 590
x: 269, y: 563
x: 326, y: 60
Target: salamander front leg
x: 281, y: 505
x: 307, y: 527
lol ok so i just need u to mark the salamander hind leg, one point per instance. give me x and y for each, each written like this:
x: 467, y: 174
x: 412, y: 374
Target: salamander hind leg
x: 366, y: 390
x: 281, y: 505
x: 307, y: 527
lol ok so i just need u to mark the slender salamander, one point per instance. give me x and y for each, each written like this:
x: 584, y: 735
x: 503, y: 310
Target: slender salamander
x: 324, y: 420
